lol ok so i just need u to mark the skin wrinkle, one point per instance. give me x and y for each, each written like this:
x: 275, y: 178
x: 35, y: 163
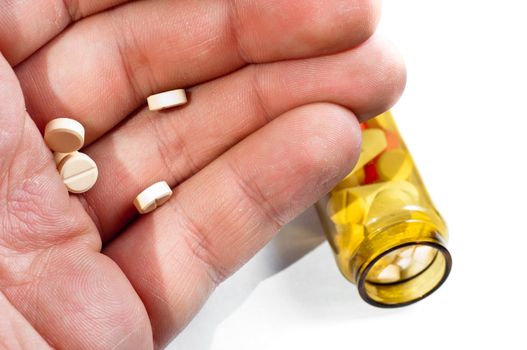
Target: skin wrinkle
x: 125, y: 338
x: 72, y: 9
x: 88, y: 207
x: 197, y: 242
x: 126, y: 41
x: 235, y: 27
x: 258, y: 199
x: 164, y: 148
x: 256, y: 86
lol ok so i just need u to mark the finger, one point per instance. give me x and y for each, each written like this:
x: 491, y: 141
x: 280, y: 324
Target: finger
x: 15, y: 331
x: 220, y: 217
x: 103, y: 68
x: 173, y: 146
x: 28, y: 25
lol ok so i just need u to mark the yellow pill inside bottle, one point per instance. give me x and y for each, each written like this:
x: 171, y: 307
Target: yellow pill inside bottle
x: 395, y: 164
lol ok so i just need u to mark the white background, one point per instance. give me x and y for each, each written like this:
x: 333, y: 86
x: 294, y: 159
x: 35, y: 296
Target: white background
x: 464, y: 118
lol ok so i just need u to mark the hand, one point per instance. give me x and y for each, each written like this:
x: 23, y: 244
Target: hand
x: 276, y: 87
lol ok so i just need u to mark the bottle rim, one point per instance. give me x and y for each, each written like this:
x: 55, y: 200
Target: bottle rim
x: 442, y: 253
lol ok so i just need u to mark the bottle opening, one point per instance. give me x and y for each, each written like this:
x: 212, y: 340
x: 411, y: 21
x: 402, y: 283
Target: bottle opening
x: 405, y: 274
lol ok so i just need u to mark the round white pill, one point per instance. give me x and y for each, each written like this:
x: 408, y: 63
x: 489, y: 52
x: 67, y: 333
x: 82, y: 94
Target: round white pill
x: 153, y: 197
x: 64, y: 135
x: 167, y: 99
x: 79, y: 172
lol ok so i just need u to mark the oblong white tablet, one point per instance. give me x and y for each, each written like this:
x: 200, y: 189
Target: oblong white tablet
x: 64, y: 135
x: 168, y: 99
x: 153, y: 197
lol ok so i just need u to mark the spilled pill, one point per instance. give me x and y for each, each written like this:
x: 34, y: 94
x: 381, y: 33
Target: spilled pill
x: 168, y: 99
x: 153, y: 197
x: 64, y: 135
x: 78, y: 171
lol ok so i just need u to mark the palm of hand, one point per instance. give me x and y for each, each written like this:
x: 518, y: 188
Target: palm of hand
x: 258, y: 143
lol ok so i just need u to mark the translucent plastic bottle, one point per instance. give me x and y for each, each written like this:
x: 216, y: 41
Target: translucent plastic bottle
x: 386, y: 234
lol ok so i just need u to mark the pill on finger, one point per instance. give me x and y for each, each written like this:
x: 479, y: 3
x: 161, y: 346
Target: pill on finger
x: 153, y: 197
x: 168, y: 99
x: 395, y: 164
x: 64, y: 135
x: 78, y: 171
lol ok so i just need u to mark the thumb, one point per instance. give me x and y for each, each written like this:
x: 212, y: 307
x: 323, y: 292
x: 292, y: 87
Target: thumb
x: 12, y: 114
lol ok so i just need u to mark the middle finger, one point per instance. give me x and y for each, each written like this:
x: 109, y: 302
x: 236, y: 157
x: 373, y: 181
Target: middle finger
x: 102, y: 68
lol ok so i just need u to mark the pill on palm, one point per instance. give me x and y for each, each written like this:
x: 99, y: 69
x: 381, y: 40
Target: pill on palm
x: 64, y: 135
x: 168, y: 99
x: 78, y: 171
x: 395, y: 164
x: 153, y: 197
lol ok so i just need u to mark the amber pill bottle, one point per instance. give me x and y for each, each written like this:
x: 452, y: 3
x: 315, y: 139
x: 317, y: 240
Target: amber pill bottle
x: 384, y: 230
